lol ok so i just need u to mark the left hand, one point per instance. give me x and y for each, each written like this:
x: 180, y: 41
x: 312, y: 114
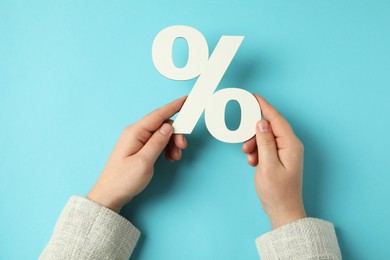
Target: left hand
x: 130, y: 166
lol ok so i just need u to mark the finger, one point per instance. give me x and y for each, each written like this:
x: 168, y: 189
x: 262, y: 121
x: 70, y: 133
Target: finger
x: 266, y: 145
x: 180, y: 141
x: 253, y: 158
x: 175, y: 144
x: 249, y: 146
x: 279, y: 124
x: 134, y: 137
x: 154, y: 120
x: 175, y: 153
x: 172, y: 151
x: 167, y: 151
x: 156, y: 144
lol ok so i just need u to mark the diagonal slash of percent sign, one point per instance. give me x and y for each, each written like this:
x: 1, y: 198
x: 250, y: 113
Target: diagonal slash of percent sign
x: 210, y: 72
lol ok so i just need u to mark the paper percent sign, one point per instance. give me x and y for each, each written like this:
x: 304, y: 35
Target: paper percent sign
x: 210, y: 72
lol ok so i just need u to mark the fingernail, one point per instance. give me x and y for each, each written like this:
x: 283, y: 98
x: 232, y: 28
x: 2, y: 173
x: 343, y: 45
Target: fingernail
x: 262, y: 125
x: 166, y: 129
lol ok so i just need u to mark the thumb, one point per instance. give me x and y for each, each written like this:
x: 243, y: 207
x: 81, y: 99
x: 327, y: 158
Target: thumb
x: 266, y: 144
x: 156, y: 144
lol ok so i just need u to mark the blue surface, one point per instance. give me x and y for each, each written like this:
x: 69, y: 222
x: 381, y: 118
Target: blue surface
x: 74, y: 73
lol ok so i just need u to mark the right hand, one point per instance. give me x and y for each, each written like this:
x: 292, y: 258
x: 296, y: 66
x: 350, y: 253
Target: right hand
x: 277, y: 154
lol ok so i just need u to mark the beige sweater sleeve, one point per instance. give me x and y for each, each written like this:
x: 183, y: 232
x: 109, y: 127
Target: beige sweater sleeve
x: 87, y: 230
x: 307, y: 238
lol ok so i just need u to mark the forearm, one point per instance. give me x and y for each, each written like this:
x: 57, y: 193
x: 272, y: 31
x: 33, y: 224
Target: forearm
x: 306, y: 238
x: 87, y: 230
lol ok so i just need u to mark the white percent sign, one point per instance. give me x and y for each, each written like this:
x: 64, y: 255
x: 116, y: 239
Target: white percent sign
x: 210, y: 72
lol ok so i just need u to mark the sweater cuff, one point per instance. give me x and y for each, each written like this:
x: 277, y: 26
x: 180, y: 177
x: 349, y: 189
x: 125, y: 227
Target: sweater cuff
x: 307, y: 238
x: 87, y: 230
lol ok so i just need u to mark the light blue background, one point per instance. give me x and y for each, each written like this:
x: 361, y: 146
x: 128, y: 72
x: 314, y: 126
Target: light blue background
x: 73, y: 74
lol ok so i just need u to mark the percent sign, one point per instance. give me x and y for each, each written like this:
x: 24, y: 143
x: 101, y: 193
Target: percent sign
x: 210, y: 72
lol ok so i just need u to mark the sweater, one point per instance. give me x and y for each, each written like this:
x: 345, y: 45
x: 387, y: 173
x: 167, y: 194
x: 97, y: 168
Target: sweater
x: 87, y: 230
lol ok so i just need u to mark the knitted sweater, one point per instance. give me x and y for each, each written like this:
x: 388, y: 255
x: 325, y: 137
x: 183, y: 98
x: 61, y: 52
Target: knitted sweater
x: 87, y: 230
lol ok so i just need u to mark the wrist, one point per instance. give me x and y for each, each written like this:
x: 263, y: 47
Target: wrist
x: 107, y: 201
x: 285, y: 216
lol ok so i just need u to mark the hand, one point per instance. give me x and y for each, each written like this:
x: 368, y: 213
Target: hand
x: 278, y: 155
x: 131, y: 164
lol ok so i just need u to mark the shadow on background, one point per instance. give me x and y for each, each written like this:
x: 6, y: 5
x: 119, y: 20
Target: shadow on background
x: 315, y: 171
x: 346, y: 251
